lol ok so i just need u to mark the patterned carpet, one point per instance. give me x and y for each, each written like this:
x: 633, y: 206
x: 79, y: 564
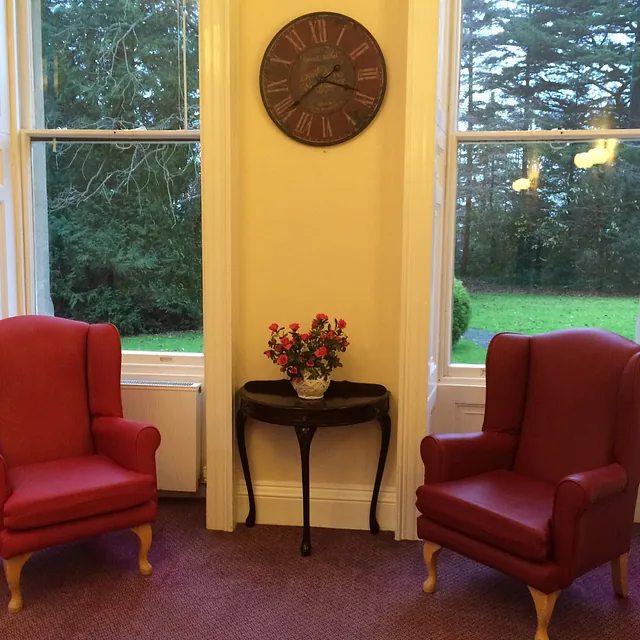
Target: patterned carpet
x: 253, y: 584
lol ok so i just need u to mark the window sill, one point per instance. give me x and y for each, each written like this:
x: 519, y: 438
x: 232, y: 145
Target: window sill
x: 163, y: 366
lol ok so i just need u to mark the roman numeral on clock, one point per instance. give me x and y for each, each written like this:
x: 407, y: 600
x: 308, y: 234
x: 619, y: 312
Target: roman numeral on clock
x: 275, y: 58
x: 318, y: 30
x: 368, y: 74
x: 294, y: 38
x: 326, y: 127
x: 358, y: 51
x: 304, y: 124
x: 350, y: 120
x: 364, y: 99
x: 278, y: 86
x: 283, y: 106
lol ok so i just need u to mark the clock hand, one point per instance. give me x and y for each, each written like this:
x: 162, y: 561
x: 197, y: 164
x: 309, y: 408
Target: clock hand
x: 337, y: 84
x: 318, y: 83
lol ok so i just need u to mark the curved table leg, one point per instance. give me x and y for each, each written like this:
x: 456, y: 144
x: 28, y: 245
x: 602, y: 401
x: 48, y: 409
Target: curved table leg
x: 241, y: 420
x: 305, y: 436
x: 385, y: 426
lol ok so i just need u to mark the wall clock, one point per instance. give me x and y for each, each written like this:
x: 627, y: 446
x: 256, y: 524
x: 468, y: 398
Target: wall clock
x: 323, y: 78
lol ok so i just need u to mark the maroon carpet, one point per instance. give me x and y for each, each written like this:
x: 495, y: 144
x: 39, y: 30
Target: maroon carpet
x: 254, y: 584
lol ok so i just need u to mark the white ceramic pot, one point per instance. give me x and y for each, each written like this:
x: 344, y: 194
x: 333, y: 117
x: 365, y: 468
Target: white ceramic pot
x: 309, y: 389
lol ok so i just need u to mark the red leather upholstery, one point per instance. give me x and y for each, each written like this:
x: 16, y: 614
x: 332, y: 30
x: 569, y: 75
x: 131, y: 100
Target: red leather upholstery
x: 70, y: 465
x: 43, y: 366
x: 131, y: 444
x: 17, y: 542
x: 503, y: 508
x: 4, y: 486
x: 547, y: 491
x: 57, y: 491
x: 458, y: 455
x: 572, y: 393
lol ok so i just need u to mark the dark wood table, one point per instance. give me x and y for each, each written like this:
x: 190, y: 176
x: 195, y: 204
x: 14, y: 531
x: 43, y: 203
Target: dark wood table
x: 344, y: 403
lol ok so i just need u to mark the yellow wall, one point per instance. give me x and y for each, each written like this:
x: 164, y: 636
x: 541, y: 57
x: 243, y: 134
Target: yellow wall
x: 319, y: 230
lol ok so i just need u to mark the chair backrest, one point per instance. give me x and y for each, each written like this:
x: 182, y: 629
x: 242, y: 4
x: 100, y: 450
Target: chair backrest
x: 46, y: 380
x: 572, y: 418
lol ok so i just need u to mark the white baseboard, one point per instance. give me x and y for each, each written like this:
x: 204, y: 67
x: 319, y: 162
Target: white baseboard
x: 332, y: 506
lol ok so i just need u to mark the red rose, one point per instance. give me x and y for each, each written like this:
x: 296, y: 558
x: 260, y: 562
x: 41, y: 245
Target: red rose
x: 296, y: 380
x: 278, y: 348
x: 322, y: 351
x: 282, y: 360
x: 310, y: 363
x: 346, y: 343
x: 322, y: 316
x: 330, y: 335
x: 342, y: 324
x: 304, y: 336
x: 339, y: 338
x: 294, y: 327
x: 273, y: 327
x: 323, y: 336
x: 314, y: 325
x: 267, y: 353
x: 293, y: 370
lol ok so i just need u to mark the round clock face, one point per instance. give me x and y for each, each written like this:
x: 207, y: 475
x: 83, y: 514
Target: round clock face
x: 323, y: 78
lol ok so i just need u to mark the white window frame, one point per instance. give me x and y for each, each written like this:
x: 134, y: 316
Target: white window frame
x: 473, y: 374
x: 155, y: 365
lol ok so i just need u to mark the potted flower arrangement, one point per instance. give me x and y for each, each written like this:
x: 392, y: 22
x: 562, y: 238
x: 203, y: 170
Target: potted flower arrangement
x: 308, y: 357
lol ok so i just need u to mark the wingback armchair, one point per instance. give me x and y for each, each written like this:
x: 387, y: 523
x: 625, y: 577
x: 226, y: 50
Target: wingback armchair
x: 70, y: 465
x: 547, y: 491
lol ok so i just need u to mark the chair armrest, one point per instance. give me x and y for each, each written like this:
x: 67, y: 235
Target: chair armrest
x: 131, y: 444
x: 577, y: 492
x: 458, y: 455
x: 5, y: 487
x: 590, y: 519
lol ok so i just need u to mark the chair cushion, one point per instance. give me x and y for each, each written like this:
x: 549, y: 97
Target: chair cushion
x: 48, y: 493
x: 502, y: 508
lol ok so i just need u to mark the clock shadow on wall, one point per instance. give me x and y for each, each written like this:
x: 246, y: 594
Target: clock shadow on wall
x: 323, y: 79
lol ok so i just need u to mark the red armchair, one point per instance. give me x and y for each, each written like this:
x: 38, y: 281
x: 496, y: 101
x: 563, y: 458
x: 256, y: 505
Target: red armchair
x: 547, y: 491
x: 70, y: 465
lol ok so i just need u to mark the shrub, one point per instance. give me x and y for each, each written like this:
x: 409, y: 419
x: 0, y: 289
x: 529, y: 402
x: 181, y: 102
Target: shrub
x: 461, y: 311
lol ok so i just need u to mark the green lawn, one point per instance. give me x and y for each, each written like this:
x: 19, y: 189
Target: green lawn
x: 492, y: 312
x: 466, y: 352
x: 186, y: 341
x: 531, y: 314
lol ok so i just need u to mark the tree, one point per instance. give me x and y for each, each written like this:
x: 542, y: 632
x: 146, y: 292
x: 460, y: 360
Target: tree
x: 124, y: 219
x: 477, y: 23
x: 549, y: 64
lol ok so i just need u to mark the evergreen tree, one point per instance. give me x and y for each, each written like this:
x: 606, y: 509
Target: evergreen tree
x: 124, y: 219
x: 550, y: 64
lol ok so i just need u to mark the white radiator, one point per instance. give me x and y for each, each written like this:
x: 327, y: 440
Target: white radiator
x: 175, y: 409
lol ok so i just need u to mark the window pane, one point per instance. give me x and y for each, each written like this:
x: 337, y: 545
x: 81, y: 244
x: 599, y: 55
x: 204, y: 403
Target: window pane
x: 117, y: 64
x: 544, y: 244
x: 528, y: 64
x: 118, y: 239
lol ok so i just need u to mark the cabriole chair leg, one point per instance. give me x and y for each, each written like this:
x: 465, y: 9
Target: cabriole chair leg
x: 143, y: 532
x: 545, y: 602
x: 619, y: 575
x: 431, y: 550
x: 13, y: 571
